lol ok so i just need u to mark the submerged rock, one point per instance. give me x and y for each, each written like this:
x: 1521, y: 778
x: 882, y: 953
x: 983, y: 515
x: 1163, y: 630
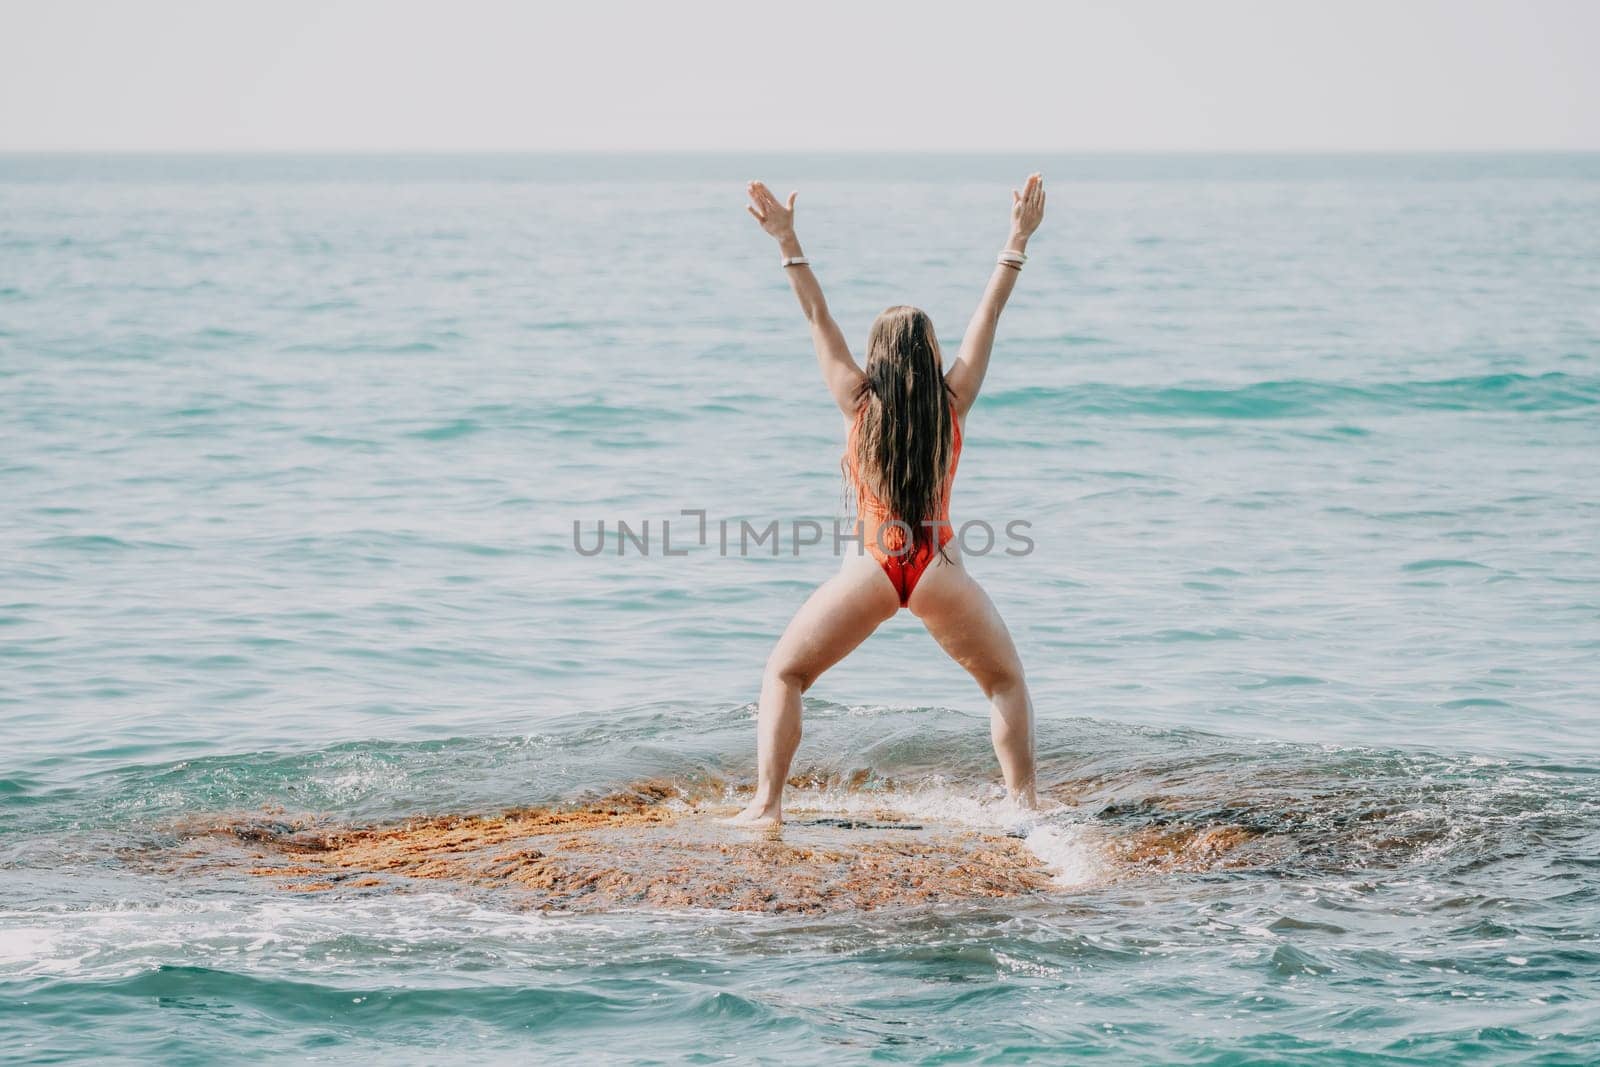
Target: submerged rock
x: 639, y: 850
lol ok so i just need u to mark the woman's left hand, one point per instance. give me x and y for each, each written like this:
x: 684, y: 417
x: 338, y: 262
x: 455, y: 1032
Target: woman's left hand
x: 777, y: 219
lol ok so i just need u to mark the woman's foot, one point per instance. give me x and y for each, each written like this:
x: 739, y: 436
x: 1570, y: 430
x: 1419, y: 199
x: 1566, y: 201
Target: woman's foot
x: 757, y: 816
x: 1024, y: 799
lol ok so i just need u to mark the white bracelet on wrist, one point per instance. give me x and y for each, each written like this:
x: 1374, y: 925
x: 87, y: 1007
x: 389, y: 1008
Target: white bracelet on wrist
x: 1008, y: 255
x: 794, y: 261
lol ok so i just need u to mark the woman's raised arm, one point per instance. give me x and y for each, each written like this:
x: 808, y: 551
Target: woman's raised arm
x: 965, y: 376
x: 839, y: 368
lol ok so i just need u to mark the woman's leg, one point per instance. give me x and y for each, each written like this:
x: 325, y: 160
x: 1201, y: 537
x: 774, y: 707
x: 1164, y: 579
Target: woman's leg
x: 841, y: 614
x: 962, y: 618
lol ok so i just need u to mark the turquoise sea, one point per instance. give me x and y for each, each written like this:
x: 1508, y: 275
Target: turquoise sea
x: 291, y: 453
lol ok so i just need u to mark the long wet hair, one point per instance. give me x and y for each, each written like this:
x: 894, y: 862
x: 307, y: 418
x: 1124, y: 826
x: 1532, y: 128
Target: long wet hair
x: 904, y: 429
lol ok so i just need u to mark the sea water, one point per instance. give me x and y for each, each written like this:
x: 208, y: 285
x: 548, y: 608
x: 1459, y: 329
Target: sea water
x: 292, y: 451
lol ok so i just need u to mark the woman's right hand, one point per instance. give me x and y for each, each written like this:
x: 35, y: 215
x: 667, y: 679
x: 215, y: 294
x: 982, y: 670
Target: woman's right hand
x: 1027, y: 207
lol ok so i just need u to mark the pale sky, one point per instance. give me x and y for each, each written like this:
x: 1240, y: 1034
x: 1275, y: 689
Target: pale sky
x: 1073, y: 75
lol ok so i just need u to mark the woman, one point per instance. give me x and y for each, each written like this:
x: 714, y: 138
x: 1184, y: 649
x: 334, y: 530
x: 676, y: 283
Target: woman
x: 907, y: 419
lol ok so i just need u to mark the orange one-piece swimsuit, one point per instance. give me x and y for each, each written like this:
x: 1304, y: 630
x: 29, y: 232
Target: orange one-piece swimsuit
x: 905, y: 568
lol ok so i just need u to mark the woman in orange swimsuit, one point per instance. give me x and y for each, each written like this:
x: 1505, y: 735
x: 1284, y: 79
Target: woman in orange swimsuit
x: 906, y: 414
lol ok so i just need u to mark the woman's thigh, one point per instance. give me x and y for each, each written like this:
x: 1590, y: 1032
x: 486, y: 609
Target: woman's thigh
x: 960, y: 616
x: 838, y: 616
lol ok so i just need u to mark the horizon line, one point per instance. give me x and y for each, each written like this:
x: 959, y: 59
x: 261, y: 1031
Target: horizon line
x: 976, y: 152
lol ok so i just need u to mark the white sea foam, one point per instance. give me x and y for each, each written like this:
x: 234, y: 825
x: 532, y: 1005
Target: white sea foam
x: 1070, y: 850
x: 119, y: 941
x: 1072, y: 853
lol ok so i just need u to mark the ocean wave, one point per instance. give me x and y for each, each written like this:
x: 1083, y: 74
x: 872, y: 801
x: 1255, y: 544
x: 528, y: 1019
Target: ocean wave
x: 1294, y: 398
x: 370, y: 882
x: 1117, y: 802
